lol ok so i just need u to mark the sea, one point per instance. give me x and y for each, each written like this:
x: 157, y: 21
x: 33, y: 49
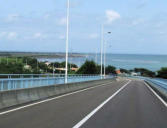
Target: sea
x: 126, y: 61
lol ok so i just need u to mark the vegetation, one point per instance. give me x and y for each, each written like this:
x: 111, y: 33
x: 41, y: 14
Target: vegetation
x: 125, y: 71
x: 110, y: 70
x: 162, y: 73
x: 90, y: 67
x: 62, y: 65
x: 145, y: 72
x: 11, y: 69
x: 28, y: 65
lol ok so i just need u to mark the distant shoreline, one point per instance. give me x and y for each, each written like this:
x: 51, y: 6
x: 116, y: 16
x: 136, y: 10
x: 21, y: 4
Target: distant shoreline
x: 60, y: 54
x: 40, y: 55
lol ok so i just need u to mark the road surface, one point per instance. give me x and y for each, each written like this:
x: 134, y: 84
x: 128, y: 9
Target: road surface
x: 123, y: 104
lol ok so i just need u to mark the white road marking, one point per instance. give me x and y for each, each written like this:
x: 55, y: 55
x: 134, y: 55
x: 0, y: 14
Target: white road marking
x: 47, y: 100
x: 78, y: 125
x: 156, y: 94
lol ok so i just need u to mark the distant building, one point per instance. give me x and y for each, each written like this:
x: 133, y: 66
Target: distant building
x: 27, y: 67
x: 74, y: 69
x: 118, y: 72
x: 60, y: 69
x: 47, y: 63
x: 63, y: 69
x: 134, y: 74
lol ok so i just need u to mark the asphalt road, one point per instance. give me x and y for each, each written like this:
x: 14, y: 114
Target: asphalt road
x: 135, y: 106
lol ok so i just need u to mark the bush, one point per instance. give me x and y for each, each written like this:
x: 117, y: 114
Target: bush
x: 89, y: 67
x: 124, y: 71
x: 162, y: 73
x: 110, y: 69
x: 145, y: 72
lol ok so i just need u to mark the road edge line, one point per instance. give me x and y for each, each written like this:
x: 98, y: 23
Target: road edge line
x: 86, y: 118
x: 162, y: 101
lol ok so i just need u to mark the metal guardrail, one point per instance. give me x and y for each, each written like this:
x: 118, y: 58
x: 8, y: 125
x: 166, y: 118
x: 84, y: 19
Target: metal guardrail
x: 20, y: 81
x: 159, y: 85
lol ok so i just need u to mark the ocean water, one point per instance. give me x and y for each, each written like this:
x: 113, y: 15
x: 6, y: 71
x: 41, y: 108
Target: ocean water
x: 127, y: 61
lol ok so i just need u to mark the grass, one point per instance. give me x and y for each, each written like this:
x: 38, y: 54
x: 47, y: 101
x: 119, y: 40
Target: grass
x: 8, y: 60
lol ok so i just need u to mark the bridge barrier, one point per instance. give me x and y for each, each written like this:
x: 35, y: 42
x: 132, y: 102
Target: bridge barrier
x: 21, y: 96
x: 158, y: 89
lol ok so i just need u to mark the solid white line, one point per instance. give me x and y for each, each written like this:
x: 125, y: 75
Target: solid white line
x: 47, y: 100
x: 156, y: 94
x: 78, y: 125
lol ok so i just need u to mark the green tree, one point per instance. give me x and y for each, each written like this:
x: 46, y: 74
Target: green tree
x: 89, y: 67
x: 145, y: 72
x: 110, y: 69
x: 124, y: 70
x: 162, y: 73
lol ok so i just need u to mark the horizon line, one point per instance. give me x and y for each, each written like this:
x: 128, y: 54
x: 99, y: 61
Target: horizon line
x: 81, y: 52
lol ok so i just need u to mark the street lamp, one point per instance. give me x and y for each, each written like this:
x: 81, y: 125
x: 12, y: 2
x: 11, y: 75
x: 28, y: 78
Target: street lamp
x: 105, y: 42
x: 102, y: 42
x: 67, y: 41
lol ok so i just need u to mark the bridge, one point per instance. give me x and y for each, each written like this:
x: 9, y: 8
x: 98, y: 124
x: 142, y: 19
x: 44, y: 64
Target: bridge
x: 109, y: 103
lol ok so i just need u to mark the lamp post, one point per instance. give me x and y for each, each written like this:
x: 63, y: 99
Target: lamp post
x: 67, y: 41
x: 102, y: 42
x: 104, y: 59
x: 53, y: 69
x: 96, y: 57
x: 105, y: 42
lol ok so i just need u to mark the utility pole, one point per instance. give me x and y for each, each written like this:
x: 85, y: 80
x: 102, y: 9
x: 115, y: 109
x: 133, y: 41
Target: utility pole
x: 105, y: 42
x: 96, y: 57
x: 104, y: 59
x: 53, y: 69
x: 27, y: 63
x: 102, y: 42
x: 67, y: 41
x: 7, y: 60
x: 37, y: 65
x: 71, y: 58
x: 16, y: 60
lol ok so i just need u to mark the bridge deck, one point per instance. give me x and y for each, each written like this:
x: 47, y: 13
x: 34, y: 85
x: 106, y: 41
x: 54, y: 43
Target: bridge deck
x: 134, y: 106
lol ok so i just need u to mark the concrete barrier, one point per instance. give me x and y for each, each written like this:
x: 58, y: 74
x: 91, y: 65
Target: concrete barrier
x: 21, y: 96
x: 9, y: 98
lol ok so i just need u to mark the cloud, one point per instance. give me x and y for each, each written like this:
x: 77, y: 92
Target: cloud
x: 76, y: 4
x: 62, y: 21
x: 162, y: 33
x: 13, y: 17
x: 12, y: 35
x: 47, y: 16
x: 8, y: 35
x: 39, y: 35
x: 93, y: 36
x: 112, y: 16
x: 3, y: 34
x: 62, y: 37
x: 142, y: 4
x: 137, y: 21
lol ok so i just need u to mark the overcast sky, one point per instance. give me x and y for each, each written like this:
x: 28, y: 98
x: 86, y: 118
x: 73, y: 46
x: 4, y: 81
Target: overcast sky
x: 137, y: 26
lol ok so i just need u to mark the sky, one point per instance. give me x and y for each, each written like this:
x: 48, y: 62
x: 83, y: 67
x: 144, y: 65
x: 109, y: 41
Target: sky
x: 136, y: 26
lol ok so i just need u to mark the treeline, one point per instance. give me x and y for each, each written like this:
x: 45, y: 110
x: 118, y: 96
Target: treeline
x: 28, y: 65
x: 162, y: 73
x: 90, y: 67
